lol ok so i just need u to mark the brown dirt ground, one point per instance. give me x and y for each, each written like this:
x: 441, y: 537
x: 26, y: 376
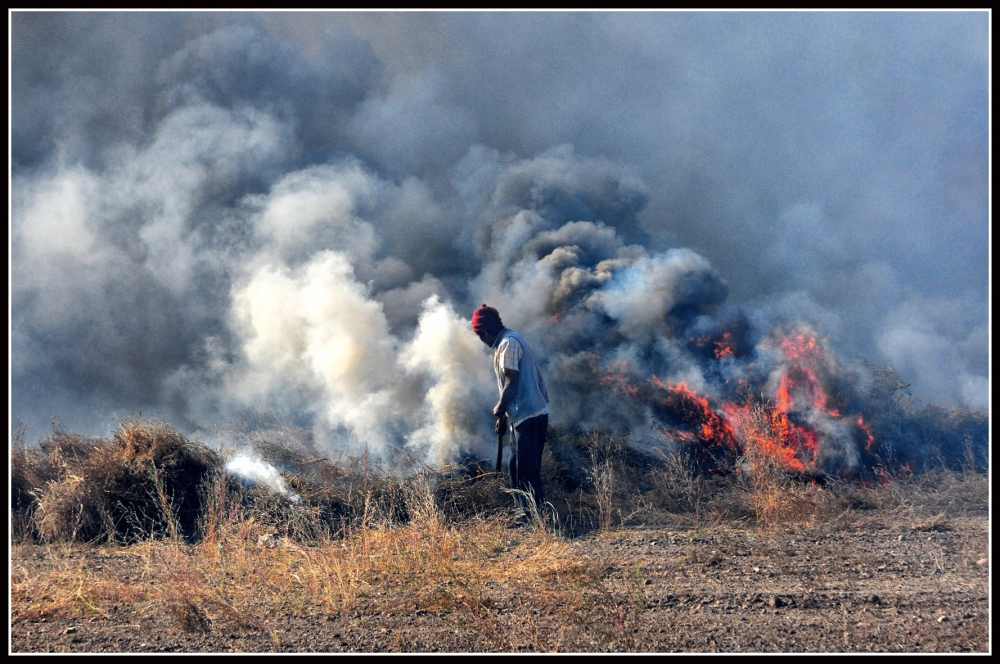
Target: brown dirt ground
x: 856, y: 587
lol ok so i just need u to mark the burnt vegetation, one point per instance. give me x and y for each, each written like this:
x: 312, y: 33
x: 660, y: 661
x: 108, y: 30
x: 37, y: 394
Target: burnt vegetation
x: 917, y: 438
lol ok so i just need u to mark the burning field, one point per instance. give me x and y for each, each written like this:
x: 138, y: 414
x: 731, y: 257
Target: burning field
x: 749, y: 256
x: 773, y: 501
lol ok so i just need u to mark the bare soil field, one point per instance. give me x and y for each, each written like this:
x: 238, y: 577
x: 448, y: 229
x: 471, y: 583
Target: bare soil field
x: 862, y: 585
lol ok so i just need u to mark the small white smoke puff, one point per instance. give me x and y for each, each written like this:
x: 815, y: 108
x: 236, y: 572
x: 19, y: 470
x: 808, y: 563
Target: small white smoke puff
x: 259, y: 471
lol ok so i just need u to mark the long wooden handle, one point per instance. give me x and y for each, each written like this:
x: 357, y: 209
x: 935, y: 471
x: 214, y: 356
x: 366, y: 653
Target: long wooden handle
x: 499, y: 450
x: 501, y: 429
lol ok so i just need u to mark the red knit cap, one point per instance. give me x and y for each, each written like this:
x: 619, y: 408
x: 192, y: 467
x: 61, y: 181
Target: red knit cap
x: 486, y: 318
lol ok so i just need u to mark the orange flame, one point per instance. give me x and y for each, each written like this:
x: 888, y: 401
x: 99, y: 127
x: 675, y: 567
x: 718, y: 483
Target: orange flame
x: 869, y: 438
x: 801, y: 345
x: 713, y: 430
x: 773, y: 430
x: 724, y: 346
x: 799, y: 388
x: 791, y: 445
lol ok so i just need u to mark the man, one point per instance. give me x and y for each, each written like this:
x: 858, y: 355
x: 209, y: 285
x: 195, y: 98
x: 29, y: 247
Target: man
x: 523, y: 399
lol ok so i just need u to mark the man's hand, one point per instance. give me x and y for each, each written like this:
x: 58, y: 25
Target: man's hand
x: 501, y: 425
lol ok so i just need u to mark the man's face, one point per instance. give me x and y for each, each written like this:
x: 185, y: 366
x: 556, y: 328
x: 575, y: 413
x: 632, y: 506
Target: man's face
x: 486, y: 337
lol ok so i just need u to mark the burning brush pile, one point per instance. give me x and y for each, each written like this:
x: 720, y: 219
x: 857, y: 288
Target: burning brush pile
x: 354, y: 323
x: 786, y: 400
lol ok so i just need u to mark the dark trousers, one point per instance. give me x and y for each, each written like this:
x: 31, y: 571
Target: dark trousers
x: 525, y: 465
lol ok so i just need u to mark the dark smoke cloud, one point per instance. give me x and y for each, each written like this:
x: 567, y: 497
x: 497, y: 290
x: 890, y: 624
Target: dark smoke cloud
x: 213, y: 212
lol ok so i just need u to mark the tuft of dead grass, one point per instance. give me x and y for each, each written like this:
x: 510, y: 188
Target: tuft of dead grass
x: 144, y: 482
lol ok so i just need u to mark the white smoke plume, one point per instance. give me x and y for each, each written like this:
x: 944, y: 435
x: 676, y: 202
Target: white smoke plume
x: 257, y: 471
x: 450, y: 359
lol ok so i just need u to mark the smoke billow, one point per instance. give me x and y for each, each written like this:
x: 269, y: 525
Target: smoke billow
x: 213, y: 212
x: 258, y: 471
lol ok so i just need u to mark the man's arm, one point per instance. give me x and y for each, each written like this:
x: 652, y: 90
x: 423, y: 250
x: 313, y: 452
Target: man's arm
x: 510, y: 378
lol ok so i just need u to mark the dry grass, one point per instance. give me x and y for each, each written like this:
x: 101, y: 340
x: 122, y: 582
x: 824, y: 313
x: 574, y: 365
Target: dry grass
x: 241, y: 575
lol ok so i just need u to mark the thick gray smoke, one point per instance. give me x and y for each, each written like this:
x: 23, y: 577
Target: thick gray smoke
x: 297, y: 213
